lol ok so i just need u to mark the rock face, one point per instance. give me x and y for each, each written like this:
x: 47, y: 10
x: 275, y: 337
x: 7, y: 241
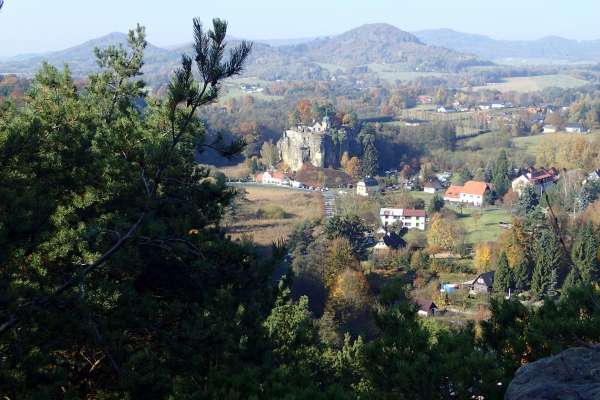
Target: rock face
x: 572, y: 374
x: 310, y: 144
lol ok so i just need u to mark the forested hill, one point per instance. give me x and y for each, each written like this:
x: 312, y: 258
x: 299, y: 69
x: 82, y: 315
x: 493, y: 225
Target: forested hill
x: 374, y: 43
x: 547, y: 49
x: 382, y: 43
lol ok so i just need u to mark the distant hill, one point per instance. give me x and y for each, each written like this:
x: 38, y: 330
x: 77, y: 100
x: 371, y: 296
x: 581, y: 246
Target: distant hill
x: 551, y: 49
x: 382, y: 43
x: 298, y: 59
x: 81, y: 58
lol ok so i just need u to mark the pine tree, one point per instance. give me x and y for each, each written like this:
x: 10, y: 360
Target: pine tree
x: 522, y: 274
x: 370, y: 161
x: 528, y: 200
x: 584, y: 253
x: 548, y: 261
x: 503, y: 276
x: 500, y: 178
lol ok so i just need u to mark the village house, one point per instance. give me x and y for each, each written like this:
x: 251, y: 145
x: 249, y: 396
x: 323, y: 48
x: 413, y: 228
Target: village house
x: 575, y: 128
x: 427, y: 308
x: 483, y: 284
x: 540, y: 179
x: 472, y: 192
x: 367, y: 187
x: 550, y: 128
x: 272, y: 178
x: 446, y: 110
x: 410, y: 219
x: 432, y: 186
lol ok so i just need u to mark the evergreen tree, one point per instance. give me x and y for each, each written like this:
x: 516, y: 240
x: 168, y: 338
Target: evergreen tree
x: 500, y: 178
x: 584, y: 253
x: 435, y: 204
x: 370, y: 161
x: 502, y: 277
x: 528, y: 200
x: 548, y: 261
x: 522, y: 274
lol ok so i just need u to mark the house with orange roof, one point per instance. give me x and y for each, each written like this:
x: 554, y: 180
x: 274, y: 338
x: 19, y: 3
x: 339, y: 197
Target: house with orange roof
x: 472, y: 192
x: 273, y: 178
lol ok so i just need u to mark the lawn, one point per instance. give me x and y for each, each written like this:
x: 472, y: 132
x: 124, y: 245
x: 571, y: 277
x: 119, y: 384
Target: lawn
x: 535, y: 83
x: 482, y: 224
x: 257, y: 215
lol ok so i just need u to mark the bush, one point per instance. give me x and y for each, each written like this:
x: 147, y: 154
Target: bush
x: 272, y: 212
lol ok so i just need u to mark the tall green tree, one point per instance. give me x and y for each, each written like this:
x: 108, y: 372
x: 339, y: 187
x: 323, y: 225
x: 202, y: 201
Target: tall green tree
x: 370, y: 160
x: 549, y: 259
x: 528, y: 200
x: 110, y: 234
x: 500, y: 177
x: 503, y: 279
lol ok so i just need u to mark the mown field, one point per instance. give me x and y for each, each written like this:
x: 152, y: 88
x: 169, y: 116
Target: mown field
x: 268, y: 214
x: 535, y: 83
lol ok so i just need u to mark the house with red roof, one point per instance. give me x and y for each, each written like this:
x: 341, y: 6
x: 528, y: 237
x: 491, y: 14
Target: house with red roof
x: 540, y: 179
x: 472, y: 192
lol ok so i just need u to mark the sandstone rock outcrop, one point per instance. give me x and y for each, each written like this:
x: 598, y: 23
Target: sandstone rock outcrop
x: 572, y: 374
x: 310, y: 144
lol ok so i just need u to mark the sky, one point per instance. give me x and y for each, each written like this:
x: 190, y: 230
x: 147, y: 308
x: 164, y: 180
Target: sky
x: 33, y: 26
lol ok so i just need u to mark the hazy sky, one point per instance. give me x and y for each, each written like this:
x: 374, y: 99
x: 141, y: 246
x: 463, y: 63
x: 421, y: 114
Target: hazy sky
x: 44, y: 25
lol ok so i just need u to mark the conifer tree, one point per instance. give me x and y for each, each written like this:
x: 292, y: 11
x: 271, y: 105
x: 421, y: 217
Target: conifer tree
x: 548, y: 261
x: 528, y: 200
x: 503, y: 276
x: 522, y: 275
x: 370, y: 161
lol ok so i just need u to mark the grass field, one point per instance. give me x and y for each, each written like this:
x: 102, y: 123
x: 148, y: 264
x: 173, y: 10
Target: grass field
x: 530, y: 144
x: 535, y: 83
x: 296, y: 205
x: 233, y: 89
x: 482, y: 225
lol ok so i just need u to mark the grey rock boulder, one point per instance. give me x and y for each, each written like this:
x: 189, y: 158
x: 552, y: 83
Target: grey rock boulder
x: 572, y: 374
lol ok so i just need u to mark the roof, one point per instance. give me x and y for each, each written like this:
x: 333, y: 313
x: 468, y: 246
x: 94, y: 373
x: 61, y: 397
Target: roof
x: 433, y: 183
x: 414, y: 213
x: 453, y: 191
x: 425, y: 305
x: 475, y: 188
x: 370, y: 182
x: 488, y: 278
x: 278, y: 175
x: 402, y: 212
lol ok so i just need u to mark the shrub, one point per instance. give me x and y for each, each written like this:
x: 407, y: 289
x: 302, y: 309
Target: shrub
x: 271, y: 212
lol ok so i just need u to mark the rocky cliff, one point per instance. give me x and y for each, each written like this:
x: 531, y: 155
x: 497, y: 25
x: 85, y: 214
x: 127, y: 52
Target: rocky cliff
x: 311, y: 144
x: 572, y: 374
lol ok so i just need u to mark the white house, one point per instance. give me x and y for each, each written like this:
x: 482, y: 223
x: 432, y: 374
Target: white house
x: 541, y: 179
x: 432, y: 186
x: 272, y: 178
x: 472, y: 192
x: 411, y: 219
x: 550, y: 129
x: 445, y: 110
x: 498, y: 106
x: 575, y: 128
x: 367, y: 187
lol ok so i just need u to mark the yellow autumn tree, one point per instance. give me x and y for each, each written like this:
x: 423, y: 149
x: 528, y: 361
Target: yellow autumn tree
x: 340, y: 257
x: 482, y: 260
x: 445, y: 233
